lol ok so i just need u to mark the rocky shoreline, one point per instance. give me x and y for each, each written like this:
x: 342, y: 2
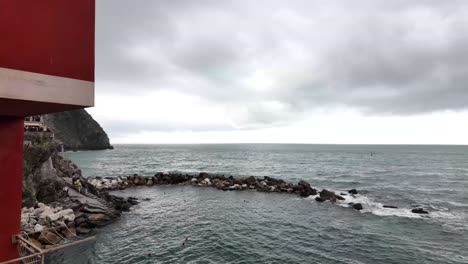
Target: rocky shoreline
x: 76, y: 215
x: 79, y: 213
x: 50, y: 214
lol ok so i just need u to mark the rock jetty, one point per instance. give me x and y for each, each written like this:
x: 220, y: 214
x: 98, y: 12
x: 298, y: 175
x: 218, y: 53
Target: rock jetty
x: 228, y: 183
x: 203, y: 179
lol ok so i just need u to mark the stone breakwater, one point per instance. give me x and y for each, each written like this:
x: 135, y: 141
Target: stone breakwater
x: 230, y: 183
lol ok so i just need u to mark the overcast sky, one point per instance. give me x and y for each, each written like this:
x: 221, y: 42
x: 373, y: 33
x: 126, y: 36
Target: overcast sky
x: 282, y: 71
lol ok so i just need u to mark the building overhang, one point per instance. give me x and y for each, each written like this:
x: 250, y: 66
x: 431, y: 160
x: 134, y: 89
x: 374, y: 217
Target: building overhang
x: 26, y: 93
x: 46, y: 56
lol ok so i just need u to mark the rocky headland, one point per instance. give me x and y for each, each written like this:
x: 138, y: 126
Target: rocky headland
x: 77, y: 130
x: 54, y: 209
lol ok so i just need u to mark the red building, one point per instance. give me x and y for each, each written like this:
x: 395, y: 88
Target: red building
x: 46, y: 65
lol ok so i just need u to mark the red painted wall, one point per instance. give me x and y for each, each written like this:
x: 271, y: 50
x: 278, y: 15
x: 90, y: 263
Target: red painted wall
x: 11, y: 166
x: 54, y: 37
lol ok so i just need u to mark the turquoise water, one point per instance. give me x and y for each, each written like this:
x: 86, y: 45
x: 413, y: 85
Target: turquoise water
x: 252, y: 227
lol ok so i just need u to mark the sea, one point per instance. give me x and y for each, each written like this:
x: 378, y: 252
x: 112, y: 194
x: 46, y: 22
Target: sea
x: 186, y: 224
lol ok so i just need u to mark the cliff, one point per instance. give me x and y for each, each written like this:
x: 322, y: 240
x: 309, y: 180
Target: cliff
x: 77, y: 130
x: 42, y: 169
x: 47, y: 204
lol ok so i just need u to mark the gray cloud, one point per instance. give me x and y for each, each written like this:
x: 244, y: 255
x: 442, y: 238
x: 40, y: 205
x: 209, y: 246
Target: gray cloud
x: 381, y: 57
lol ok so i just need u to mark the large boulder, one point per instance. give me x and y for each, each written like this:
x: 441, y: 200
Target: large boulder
x: 272, y: 181
x: 69, y: 232
x: 307, y: 190
x: 204, y: 175
x: 358, y: 206
x: 82, y: 230
x: 53, y: 217
x: 132, y: 200
x: 331, y: 196
x: 419, y: 211
x: 174, y: 178
x: 81, y: 221
x: 93, y: 209
x: 98, y: 219
x: 38, y: 228
x: 67, y: 215
x: 49, y: 238
x: 250, y: 180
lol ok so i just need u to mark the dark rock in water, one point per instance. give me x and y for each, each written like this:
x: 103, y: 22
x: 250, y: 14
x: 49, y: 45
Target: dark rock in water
x: 122, y: 205
x: 318, y: 199
x: 358, y: 206
x: 390, y: 206
x: 204, y: 175
x: 419, y: 211
x: 132, y: 200
x: 250, y: 180
x: 272, y: 181
x: 328, y: 195
x: 220, y: 177
x: 177, y: 178
x: 353, y: 191
x: 339, y: 197
x: 238, y: 181
x: 306, y: 190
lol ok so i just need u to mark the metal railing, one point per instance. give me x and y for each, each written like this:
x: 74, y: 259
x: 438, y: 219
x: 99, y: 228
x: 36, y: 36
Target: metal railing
x: 29, y: 253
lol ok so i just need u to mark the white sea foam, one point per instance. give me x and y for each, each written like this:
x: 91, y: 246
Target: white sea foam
x: 448, y: 215
x: 377, y: 208
x: 373, y: 207
x: 457, y: 204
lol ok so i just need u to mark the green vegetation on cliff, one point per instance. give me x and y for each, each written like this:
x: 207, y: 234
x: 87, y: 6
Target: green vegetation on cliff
x: 78, y: 130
